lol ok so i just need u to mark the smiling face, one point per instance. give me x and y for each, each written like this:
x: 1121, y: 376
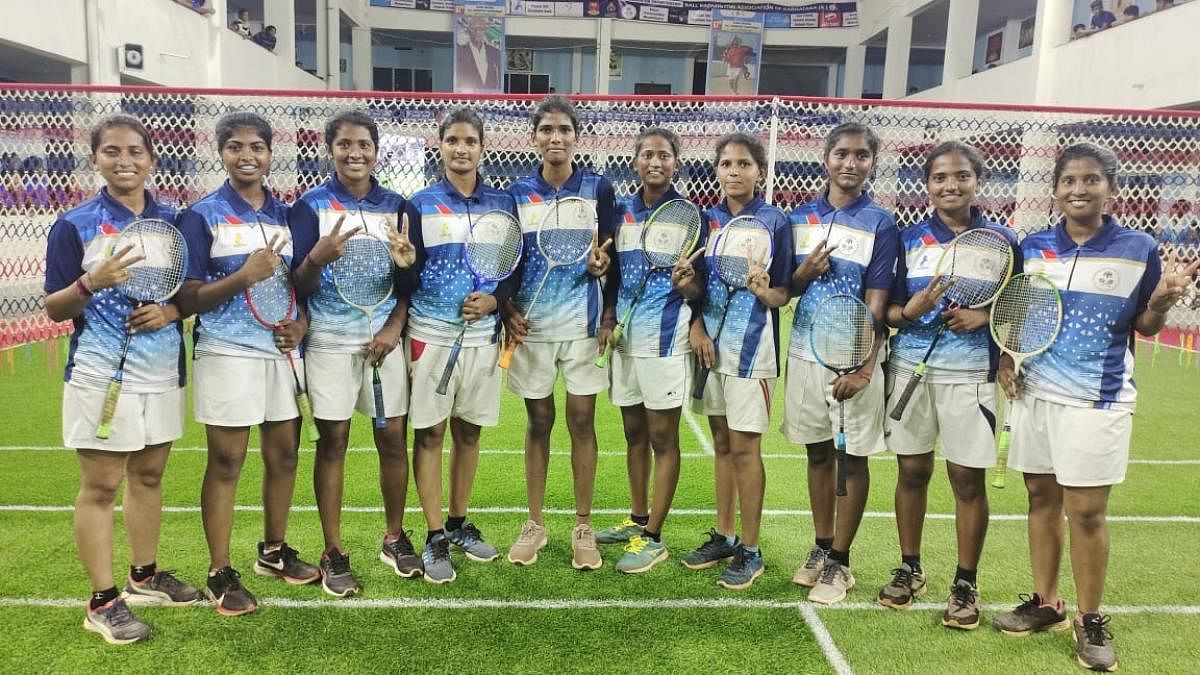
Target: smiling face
x: 952, y: 183
x: 123, y: 160
x: 1082, y: 191
x: 656, y: 163
x: 555, y: 138
x: 246, y: 157
x: 737, y: 172
x: 461, y: 149
x: 354, y: 153
x: 849, y: 163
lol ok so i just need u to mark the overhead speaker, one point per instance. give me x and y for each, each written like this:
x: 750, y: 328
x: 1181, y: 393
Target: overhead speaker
x: 133, y: 57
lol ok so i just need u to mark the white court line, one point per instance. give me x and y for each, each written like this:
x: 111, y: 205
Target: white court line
x: 584, y: 604
x: 705, y: 445
x: 308, y: 508
x: 821, y: 633
x: 698, y: 431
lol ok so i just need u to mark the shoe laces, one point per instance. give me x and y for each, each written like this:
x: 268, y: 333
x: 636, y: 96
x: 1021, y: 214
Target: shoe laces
x: 902, y: 576
x: 119, y: 614
x: 586, y: 536
x: 528, y: 532
x: 715, y: 541
x: 439, y: 549
x: 635, y: 545
x: 962, y: 595
x: 165, y: 579
x: 401, y: 545
x: 470, y: 533
x: 339, y: 563
x: 229, y: 579
x: 628, y: 523
x: 1095, y: 628
x: 288, y: 554
x: 1029, y: 603
x: 739, y: 560
x: 829, y: 573
x: 816, y: 555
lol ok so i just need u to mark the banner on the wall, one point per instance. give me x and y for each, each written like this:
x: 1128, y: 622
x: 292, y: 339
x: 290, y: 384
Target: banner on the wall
x: 778, y: 14
x: 479, y: 57
x: 734, y: 51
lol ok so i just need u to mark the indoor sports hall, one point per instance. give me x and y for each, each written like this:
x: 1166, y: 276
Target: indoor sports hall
x: 1020, y: 81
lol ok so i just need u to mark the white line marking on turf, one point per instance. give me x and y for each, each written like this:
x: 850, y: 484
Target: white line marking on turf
x: 577, y: 604
x: 504, y: 510
x: 821, y: 633
x: 698, y: 431
x: 705, y: 445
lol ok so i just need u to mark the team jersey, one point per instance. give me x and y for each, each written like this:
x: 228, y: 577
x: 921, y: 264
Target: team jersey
x: 570, y: 304
x: 959, y: 358
x: 439, y: 218
x: 865, y: 258
x: 334, y: 325
x: 1106, y: 283
x: 660, y: 319
x: 748, y: 345
x: 222, y: 230
x: 80, y: 240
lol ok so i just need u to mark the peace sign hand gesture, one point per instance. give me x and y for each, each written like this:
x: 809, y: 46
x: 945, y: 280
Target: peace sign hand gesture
x: 330, y: 247
x: 404, y: 254
x: 1174, y: 282
x: 598, y: 258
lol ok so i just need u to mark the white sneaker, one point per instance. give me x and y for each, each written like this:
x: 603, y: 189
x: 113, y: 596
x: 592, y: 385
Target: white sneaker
x: 835, y: 581
x: 584, y: 554
x: 532, y: 539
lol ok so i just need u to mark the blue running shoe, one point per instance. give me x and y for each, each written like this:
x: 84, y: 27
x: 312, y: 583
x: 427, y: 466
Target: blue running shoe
x: 436, y: 558
x: 741, y: 573
x: 470, y: 540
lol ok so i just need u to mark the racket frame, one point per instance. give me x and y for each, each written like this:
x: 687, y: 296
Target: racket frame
x: 379, y: 419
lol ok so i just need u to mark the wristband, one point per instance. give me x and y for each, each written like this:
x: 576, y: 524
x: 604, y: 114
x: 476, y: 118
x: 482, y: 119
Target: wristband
x: 82, y: 289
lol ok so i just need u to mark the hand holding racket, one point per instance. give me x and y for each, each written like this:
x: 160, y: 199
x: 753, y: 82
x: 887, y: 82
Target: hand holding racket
x: 492, y: 252
x: 152, y: 274
x: 842, y: 337
x: 969, y: 274
x: 1025, y: 320
x: 362, y: 275
x: 667, y: 237
x: 566, y: 235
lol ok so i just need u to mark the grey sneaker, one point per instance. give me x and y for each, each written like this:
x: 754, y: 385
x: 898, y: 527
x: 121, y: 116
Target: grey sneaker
x: 532, y: 539
x: 1093, y: 644
x: 809, y: 572
x: 161, y: 589
x: 835, y: 581
x: 436, y: 558
x: 230, y: 598
x: 285, y: 563
x: 469, y: 539
x: 115, y: 623
x: 399, y: 555
x: 711, y: 552
x: 962, y: 607
x: 1031, y: 616
x: 742, y: 571
x: 336, y: 577
x: 619, y: 533
x: 906, y: 586
x: 584, y: 554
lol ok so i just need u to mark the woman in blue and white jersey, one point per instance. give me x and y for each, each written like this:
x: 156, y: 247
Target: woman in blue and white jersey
x: 82, y: 272
x: 438, y: 221
x: 955, y: 402
x: 1072, y: 416
x: 652, y: 363
x: 339, y: 346
x: 744, y: 365
x: 237, y: 236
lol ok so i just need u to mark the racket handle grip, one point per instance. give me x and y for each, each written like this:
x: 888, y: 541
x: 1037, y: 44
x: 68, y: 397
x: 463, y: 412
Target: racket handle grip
x: 701, y: 382
x: 1001, y: 469
x: 506, y: 356
x: 306, y: 417
x: 444, y: 384
x: 104, y: 430
x: 902, y: 402
x: 602, y: 360
x: 380, y: 418
x: 841, y: 464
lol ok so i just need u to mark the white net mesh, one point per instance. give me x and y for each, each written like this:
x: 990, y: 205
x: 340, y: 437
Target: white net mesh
x: 45, y: 170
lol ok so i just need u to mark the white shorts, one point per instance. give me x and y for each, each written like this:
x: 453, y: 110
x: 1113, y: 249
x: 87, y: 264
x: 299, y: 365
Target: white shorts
x: 963, y: 415
x: 535, y: 367
x: 473, y: 394
x: 242, y: 391
x: 1082, y: 447
x: 810, y: 415
x: 339, y: 384
x: 656, y: 382
x: 140, y: 420
x: 745, y: 403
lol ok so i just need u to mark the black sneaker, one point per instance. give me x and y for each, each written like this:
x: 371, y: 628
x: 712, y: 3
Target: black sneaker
x: 1032, y: 616
x: 906, y: 586
x: 1093, y: 644
x: 401, y: 557
x: 336, y: 578
x: 227, y: 593
x: 711, y: 552
x: 286, y: 564
x: 162, y: 588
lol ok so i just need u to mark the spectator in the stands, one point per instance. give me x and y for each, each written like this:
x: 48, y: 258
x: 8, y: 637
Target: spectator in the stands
x: 241, y: 25
x: 266, y: 37
x: 36, y: 182
x: 1163, y: 4
x: 1101, y: 18
x: 1129, y: 14
x: 1079, y: 30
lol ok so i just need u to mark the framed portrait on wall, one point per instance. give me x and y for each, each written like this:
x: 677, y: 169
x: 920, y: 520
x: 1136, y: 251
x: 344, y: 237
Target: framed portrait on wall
x: 520, y: 60
x: 616, y: 64
x: 995, y: 42
x: 1026, y: 35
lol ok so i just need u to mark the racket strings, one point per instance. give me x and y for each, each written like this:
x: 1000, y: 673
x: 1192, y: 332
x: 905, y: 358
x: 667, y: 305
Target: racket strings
x: 1026, y: 316
x: 669, y: 233
x: 740, y: 248
x: 566, y: 231
x: 160, y: 274
x: 271, y: 298
x: 980, y: 261
x: 363, y: 275
x: 843, y: 332
x: 493, y: 248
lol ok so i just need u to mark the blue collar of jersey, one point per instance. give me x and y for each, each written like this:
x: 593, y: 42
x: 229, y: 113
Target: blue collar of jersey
x: 452, y: 192
x: 373, y: 196
x: 640, y: 201
x: 1097, y: 242
x: 152, y: 208
x: 750, y: 209
x: 853, y: 207
x: 239, y: 203
x: 572, y: 185
x: 943, y: 232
